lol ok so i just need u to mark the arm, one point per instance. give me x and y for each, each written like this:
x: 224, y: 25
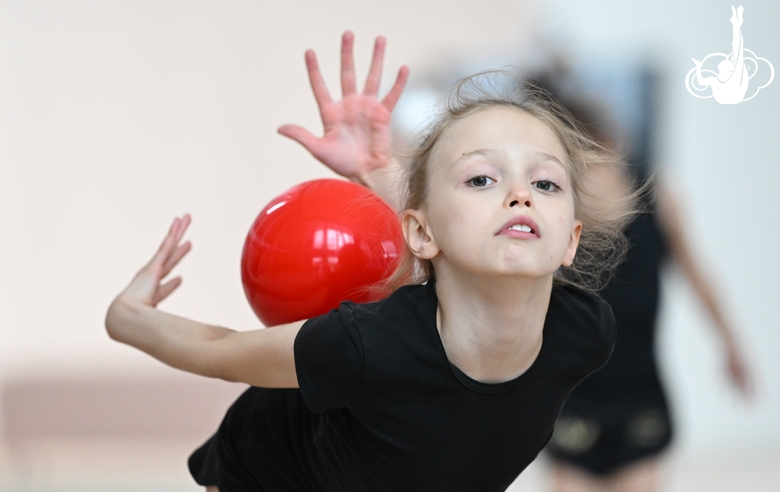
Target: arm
x: 356, y: 140
x: 671, y: 223
x: 260, y: 357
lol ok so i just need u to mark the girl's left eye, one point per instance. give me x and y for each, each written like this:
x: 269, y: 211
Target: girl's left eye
x: 480, y: 181
x: 545, y: 185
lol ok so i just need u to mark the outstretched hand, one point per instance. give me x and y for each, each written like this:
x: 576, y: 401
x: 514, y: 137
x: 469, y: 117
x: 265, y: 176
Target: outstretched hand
x: 356, y: 136
x: 737, y: 371
x: 147, y: 287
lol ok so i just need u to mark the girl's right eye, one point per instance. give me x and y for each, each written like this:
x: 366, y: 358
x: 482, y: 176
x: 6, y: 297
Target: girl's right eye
x: 481, y: 181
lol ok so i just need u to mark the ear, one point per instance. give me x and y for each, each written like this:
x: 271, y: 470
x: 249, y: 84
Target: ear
x: 574, y: 241
x: 418, y: 236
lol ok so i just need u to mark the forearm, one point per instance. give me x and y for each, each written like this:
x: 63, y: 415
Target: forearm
x: 705, y: 292
x: 682, y: 252
x: 735, y: 362
x: 173, y: 340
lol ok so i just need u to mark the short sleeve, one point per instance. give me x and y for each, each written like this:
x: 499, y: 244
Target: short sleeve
x: 329, y: 360
x: 588, y: 324
x: 607, y: 331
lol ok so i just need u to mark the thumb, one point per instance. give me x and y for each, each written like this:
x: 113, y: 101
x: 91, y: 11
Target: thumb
x: 300, y: 135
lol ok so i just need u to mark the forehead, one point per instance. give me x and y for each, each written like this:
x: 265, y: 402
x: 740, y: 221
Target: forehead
x: 500, y: 127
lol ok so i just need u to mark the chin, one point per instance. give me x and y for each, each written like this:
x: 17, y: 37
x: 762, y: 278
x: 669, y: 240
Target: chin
x: 529, y: 267
x: 528, y: 271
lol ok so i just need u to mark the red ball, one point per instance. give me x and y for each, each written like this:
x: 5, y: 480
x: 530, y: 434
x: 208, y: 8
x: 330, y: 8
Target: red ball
x: 317, y: 244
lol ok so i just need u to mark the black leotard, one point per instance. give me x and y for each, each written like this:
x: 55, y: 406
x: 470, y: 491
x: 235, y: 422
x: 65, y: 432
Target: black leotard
x: 380, y: 407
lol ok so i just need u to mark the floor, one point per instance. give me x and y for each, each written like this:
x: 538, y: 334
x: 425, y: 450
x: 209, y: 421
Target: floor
x: 152, y: 465
x: 735, y: 471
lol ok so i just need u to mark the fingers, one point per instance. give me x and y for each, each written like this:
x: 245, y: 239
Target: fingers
x: 398, y: 87
x: 300, y: 135
x: 166, y: 289
x: 347, y: 64
x: 170, y: 249
x: 739, y: 374
x: 164, y: 250
x: 348, y: 84
x: 174, y: 259
x: 183, y: 224
x: 375, y: 73
x: 742, y: 382
x: 315, y: 79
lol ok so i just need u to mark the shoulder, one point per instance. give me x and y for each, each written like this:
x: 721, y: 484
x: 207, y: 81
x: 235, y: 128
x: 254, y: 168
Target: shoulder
x: 334, y: 352
x: 350, y: 321
x: 584, y: 318
x: 576, y: 301
x: 410, y: 301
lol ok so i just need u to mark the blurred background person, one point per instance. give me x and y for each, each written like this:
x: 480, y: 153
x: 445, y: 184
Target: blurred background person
x: 617, y: 423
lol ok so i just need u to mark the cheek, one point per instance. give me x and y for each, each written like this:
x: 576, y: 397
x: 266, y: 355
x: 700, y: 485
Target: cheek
x: 441, y: 220
x: 565, y: 218
x: 565, y: 224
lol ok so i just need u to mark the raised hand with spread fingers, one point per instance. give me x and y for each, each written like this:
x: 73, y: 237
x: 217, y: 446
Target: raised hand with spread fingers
x: 356, y: 139
x: 257, y: 357
x: 146, y: 287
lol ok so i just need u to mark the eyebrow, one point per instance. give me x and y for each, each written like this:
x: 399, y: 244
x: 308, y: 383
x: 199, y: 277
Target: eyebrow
x: 543, y: 155
x: 550, y: 157
x: 475, y: 152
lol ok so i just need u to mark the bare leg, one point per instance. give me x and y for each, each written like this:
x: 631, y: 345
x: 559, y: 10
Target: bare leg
x: 567, y: 478
x: 736, y: 36
x: 212, y: 488
x: 644, y: 476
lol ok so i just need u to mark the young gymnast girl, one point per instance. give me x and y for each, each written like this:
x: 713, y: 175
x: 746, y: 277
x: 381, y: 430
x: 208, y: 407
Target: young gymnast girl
x: 452, y: 382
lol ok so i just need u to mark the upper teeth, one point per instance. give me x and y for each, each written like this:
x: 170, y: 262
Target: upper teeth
x: 520, y: 227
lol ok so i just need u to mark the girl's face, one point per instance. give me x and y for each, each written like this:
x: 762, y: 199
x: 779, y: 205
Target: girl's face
x: 500, y: 201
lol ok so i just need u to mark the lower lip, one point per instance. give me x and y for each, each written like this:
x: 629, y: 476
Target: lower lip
x: 518, y: 234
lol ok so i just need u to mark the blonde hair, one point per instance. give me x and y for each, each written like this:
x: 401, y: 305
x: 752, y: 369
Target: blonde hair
x: 602, y: 244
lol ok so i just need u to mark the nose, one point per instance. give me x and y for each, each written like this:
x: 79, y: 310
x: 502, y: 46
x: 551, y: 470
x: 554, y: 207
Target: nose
x: 519, y: 195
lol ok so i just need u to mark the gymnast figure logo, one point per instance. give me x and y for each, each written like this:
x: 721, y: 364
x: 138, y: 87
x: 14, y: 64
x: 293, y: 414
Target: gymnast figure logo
x: 735, y: 70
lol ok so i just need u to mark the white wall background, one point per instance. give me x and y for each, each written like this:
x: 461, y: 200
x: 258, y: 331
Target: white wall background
x: 116, y: 116
x: 724, y: 162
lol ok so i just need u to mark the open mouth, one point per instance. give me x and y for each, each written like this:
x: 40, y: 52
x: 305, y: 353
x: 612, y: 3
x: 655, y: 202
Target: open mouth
x: 521, y: 228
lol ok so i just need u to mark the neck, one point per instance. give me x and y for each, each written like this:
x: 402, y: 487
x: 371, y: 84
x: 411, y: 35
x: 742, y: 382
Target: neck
x: 491, y: 328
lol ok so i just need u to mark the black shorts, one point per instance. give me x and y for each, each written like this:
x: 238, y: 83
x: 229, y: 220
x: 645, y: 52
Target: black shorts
x: 232, y: 458
x: 219, y: 460
x: 602, y: 435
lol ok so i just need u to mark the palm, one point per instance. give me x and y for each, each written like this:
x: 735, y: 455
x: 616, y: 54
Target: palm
x: 356, y: 137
